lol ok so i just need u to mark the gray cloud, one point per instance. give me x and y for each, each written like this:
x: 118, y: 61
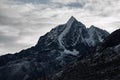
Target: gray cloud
x: 33, y: 1
x: 22, y: 22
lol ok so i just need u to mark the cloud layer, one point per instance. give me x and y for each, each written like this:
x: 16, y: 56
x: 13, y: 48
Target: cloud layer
x: 22, y: 22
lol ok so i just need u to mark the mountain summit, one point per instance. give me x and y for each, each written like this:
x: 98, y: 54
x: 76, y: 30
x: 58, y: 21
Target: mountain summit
x: 57, y: 48
x: 72, y: 18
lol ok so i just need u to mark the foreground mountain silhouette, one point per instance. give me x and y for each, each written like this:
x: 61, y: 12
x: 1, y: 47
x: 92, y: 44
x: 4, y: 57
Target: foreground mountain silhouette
x: 65, y: 44
x: 112, y: 40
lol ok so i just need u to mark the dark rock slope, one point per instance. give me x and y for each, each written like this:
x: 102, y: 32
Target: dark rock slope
x: 112, y: 40
x: 101, y: 66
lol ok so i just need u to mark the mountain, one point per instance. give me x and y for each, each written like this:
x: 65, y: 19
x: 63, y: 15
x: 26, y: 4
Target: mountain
x: 104, y: 65
x: 61, y: 46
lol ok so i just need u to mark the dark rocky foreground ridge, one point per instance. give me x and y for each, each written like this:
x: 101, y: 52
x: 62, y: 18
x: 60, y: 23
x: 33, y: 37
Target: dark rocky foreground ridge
x: 105, y: 66
x: 67, y: 52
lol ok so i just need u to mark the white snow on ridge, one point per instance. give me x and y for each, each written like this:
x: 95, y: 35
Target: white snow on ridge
x: 94, y: 36
x: 100, y: 37
x: 90, y: 40
x: 60, y: 37
x: 78, y: 37
x: 66, y: 30
x: 74, y: 52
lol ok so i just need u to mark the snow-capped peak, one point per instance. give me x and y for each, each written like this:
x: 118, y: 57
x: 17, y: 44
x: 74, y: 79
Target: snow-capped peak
x: 68, y: 26
x: 66, y: 30
x: 95, y: 35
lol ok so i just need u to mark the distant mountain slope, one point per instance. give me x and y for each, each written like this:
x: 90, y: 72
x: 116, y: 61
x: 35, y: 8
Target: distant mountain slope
x: 62, y: 45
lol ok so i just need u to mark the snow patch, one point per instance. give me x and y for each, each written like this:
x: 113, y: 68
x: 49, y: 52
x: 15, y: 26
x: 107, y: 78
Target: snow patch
x: 90, y: 41
x: 74, y: 52
x: 94, y: 36
x: 60, y: 37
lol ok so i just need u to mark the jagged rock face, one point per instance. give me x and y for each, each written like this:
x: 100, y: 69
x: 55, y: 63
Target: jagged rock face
x: 99, y: 66
x: 65, y: 36
x: 96, y: 35
x: 59, y: 47
x: 71, y: 37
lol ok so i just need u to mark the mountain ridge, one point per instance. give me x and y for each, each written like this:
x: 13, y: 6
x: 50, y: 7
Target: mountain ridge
x: 57, y: 48
x: 102, y: 65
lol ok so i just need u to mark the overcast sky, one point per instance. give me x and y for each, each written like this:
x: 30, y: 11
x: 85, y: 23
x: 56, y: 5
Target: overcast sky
x: 22, y: 22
